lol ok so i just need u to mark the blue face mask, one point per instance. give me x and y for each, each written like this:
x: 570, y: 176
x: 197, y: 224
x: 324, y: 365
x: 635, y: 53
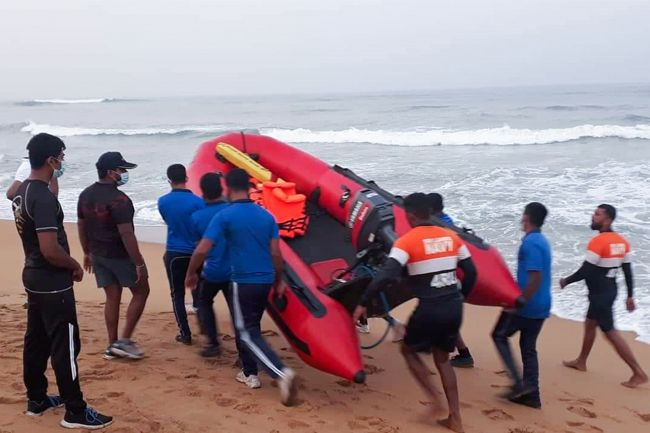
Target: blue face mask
x: 124, y: 178
x: 58, y: 172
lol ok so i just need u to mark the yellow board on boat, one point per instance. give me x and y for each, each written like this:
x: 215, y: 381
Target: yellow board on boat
x: 241, y: 160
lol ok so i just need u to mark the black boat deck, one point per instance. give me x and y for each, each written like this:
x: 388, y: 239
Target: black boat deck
x: 325, y: 239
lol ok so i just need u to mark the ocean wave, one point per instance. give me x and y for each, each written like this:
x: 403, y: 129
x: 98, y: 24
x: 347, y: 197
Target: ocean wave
x: 637, y: 118
x: 36, y: 102
x: 72, y: 131
x: 493, y: 136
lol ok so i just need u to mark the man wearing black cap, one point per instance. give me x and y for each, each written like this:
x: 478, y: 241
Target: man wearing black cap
x: 105, y: 220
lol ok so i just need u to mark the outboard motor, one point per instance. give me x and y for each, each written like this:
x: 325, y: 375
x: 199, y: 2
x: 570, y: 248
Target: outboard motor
x: 371, y: 221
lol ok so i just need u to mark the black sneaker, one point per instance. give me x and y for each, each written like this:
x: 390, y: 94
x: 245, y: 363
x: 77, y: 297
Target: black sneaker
x: 185, y: 339
x: 528, y: 401
x: 517, y: 392
x: 89, y: 419
x: 38, y: 409
x: 211, y: 351
x: 460, y: 361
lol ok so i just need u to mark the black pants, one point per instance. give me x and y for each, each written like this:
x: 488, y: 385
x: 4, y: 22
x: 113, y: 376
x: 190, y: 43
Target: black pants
x: 176, y: 265
x: 249, y: 303
x: 52, y: 331
x: 208, y: 291
x: 529, y: 330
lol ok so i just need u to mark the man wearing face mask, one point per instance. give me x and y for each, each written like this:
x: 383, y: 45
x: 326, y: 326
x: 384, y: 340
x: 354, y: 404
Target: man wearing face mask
x: 105, y: 221
x: 48, y: 276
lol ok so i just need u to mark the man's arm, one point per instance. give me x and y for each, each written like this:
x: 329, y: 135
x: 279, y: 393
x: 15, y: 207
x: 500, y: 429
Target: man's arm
x: 278, y: 261
x: 131, y: 245
x: 83, y: 240
x: 391, y: 271
x: 533, y: 283
x: 584, y: 272
x: 198, y: 257
x: 56, y: 255
x: 13, y: 189
x: 470, y: 274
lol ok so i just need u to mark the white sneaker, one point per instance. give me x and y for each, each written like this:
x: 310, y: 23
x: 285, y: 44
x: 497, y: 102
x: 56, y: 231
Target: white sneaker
x: 189, y: 309
x: 288, y: 387
x: 364, y: 329
x: 250, y: 381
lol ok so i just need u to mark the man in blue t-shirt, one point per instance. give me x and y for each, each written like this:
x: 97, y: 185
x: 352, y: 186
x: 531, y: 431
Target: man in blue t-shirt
x: 252, y: 239
x: 216, y: 263
x: 176, y: 208
x: 437, y: 207
x: 534, y: 279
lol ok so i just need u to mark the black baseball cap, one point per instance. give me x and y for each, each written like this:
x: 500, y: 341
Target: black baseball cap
x: 113, y: 160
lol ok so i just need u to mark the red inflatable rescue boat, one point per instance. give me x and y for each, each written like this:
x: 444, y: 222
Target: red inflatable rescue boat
x: 352, y: 224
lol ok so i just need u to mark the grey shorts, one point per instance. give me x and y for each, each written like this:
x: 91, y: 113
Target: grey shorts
x: 110, y: 271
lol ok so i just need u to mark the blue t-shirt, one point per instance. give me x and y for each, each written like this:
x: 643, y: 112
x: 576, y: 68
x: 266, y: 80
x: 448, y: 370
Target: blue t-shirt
x: 446, y: 218
x: 535, y: 255
x: 216, y: 268
x: 176, y: 208
x: 248, y: 229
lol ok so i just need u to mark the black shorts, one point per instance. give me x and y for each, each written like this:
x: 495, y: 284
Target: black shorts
x: 601, y: 309
x: 114, y: 271
x: 435, y: 324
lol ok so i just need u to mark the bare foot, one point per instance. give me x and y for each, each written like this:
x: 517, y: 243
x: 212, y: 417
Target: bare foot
x: 452, y: 424
x: 576, y: 365
x: 433, y: 413
x: 635, y: 381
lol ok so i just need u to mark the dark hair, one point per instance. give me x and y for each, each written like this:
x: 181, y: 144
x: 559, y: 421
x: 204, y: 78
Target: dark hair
x: 237, y: 180
x: 211, y: 186
x: 418, y: 204
x: 536, y: 213
x: 435, y: 202
x: 176, y: 173
x: 609, y: 210
x: 43, y: 146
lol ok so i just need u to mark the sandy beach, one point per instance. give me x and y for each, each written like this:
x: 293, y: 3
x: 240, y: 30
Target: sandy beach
x: 175, y: 390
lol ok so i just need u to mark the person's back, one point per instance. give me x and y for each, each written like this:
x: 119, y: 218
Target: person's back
x: 176, y: 208
x: 248, y: 230
x: 431, y: 255
x: 607, y: 251
x: 217, y: 267
x: 103, y: 207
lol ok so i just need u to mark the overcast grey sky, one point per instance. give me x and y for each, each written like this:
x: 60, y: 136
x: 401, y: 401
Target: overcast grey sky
x: 131, y: 48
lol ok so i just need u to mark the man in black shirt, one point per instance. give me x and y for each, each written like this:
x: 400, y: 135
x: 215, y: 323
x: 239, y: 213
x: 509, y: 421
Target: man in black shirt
x: 105, y: 221
x: 48, y: 276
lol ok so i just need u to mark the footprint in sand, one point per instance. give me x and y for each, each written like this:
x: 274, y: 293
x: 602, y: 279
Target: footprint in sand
x: 226, y: 402
x: 589, y: 401
x: 11, y: 400
x: 114, y: 394
x: 355, y: 425
x: 247, y: 408
x: 344, y: 383
x: 294, y: 424
x: 501, y: 373
x: 497, y: 414
x: 372, y: 369
x: 644, y: 416
x: 582, y: 412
